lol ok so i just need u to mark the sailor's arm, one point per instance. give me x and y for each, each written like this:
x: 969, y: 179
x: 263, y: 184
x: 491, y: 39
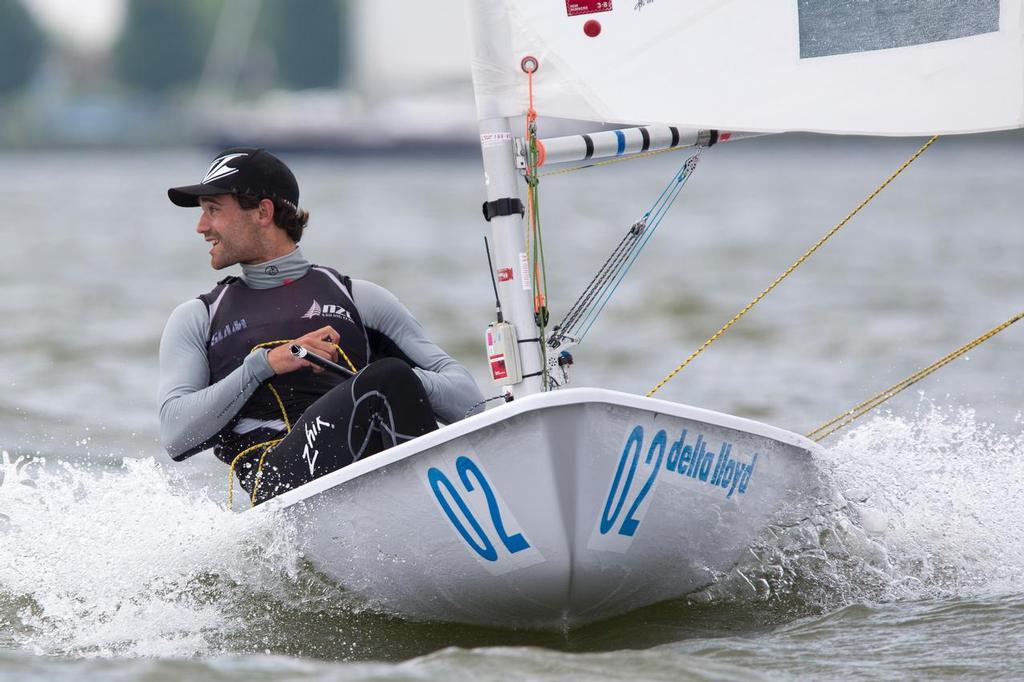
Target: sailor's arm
x: 191, y: 410
x: 393, y: 330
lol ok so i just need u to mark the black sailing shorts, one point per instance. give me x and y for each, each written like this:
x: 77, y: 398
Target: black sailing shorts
x: 381, y: 406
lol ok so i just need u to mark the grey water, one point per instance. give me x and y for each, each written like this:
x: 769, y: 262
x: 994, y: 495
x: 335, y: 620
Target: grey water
x: 116, y: 563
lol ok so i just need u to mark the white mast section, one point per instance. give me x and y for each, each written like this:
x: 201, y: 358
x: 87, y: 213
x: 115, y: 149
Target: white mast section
x: 628, y: 141
x: 508, y: 242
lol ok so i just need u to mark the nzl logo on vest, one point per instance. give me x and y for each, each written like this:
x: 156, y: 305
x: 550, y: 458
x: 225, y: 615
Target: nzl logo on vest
x: 327, y: 310
x: 686, y: 461
x: 479, y: 516
x: 226, y: 331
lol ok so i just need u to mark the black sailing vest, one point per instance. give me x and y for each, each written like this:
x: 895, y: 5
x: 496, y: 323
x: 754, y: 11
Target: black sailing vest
x: 242, y: 318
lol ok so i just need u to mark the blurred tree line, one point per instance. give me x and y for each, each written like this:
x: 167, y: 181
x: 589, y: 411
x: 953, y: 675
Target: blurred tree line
x: 22, y: 47
x: 164, y: 44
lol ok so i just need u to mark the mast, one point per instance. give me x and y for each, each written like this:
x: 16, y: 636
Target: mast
x: 491, y: 45
x: 508, y: 239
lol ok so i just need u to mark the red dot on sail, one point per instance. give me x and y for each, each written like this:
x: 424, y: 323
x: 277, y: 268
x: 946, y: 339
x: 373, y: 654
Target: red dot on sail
x: 592, y: 28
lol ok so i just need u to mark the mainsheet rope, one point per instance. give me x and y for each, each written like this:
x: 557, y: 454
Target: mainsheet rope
x: 799, y: 261
x: 267, y: 446
x: 846, y: 418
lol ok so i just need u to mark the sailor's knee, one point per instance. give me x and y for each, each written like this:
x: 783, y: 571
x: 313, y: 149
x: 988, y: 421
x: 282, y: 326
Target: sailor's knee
x: 392, y: 374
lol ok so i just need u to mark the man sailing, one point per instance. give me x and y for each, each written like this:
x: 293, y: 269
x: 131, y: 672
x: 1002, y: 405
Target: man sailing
x: 228, y: 379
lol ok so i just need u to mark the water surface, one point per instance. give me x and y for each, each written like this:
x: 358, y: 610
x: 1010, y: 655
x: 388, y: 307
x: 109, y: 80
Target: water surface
x: 117, y: 562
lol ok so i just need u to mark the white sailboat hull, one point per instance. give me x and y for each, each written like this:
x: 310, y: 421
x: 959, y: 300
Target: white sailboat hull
x: 555, y: 510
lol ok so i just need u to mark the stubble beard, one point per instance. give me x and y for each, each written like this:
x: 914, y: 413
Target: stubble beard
x: 243, y: 248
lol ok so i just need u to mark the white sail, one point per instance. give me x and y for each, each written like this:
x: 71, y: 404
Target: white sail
x: 884, y: 67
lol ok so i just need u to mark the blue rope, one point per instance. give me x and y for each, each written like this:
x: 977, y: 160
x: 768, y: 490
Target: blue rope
x: 653, y: 218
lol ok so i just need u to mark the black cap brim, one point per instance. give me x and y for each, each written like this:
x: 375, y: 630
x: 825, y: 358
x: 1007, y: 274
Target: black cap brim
x: 188, y: 196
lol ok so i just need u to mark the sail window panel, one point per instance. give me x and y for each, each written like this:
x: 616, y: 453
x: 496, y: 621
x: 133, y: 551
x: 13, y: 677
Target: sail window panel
x: 834, y: 27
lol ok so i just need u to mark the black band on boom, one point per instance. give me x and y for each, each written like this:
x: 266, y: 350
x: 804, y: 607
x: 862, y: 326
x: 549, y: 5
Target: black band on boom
x: 587, y: 140
x: 502, y: 207
x: 714, y: 137
x: 675, y: 136
x: 646, y: 135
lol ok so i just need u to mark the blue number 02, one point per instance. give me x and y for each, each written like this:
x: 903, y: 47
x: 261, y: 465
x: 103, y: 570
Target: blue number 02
x: 631, y: 452
x: 466, y: 467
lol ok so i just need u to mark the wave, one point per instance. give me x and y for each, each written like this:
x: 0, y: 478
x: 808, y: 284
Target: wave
x: 101, y: 561
x: 133, y: 560
x: 919, y: 506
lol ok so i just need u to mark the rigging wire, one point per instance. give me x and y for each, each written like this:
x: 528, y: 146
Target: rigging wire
x: 799, y: 261
x: 588, y: 306
x: 846, y: 418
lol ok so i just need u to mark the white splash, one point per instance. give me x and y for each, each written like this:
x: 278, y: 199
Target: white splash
x: 929, y: 505
x: 944, y: 498
x: 127, y: 561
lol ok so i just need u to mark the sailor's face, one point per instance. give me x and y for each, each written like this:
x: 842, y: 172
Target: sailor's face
x: 231, y: 231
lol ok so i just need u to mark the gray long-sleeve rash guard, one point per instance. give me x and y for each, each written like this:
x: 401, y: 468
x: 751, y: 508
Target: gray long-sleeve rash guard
x: 193, y: 411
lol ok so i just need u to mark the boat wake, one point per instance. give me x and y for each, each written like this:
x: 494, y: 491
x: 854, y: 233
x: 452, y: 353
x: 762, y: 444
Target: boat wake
x: 99, y: 561
x: 922, y: 506
x: 128, y: 561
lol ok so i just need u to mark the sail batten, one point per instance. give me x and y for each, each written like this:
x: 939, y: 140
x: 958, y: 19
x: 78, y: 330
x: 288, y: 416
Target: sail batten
x: 888, y: 67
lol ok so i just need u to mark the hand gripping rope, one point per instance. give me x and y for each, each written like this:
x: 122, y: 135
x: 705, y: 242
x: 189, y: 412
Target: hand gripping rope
x: 267, y: 446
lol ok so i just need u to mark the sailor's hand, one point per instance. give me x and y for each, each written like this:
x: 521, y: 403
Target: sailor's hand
x: 323, y: 342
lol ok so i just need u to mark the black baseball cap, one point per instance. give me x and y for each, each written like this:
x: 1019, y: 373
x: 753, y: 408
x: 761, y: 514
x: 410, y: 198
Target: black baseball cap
x: 241, y: 170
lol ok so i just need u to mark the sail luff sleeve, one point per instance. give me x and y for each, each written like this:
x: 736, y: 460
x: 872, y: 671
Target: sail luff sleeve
x: 495, y: 80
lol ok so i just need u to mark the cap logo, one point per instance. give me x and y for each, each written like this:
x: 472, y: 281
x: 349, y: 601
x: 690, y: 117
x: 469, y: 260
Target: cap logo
x: 220, y: 168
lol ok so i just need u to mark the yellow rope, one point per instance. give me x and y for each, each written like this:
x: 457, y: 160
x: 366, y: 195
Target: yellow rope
x: 807, y: 254
x: 268, y: 344
x: 848, y: 417
x: 269, y: 445
x: 280, y: 404
x: 341, y: 352
x: 259, y: 470
x: 345, y: 356
x: 231, y: 470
